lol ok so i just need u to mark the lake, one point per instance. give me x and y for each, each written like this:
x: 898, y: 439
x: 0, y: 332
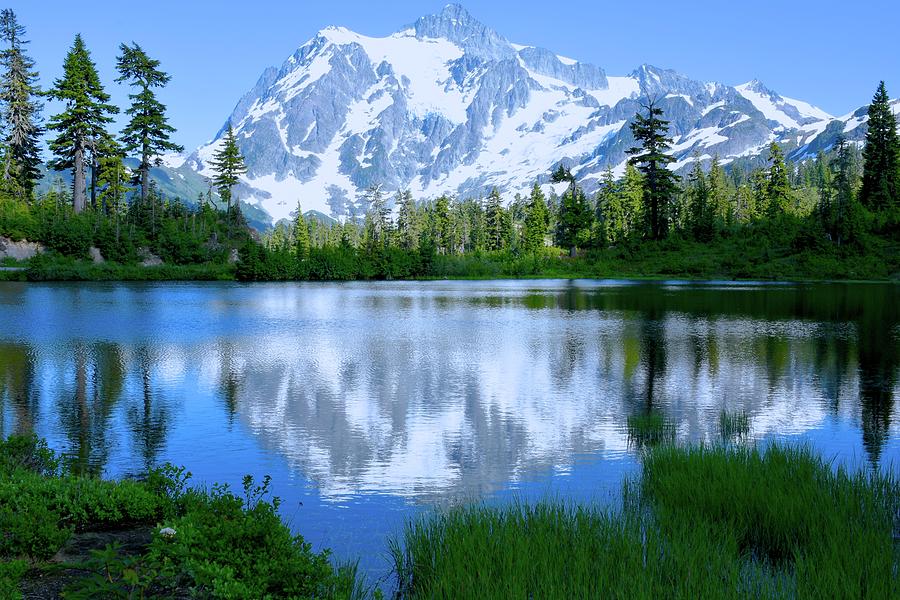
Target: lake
x: 369, y: 403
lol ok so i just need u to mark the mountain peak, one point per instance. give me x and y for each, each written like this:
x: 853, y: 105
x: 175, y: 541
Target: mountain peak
x: 760, y: 88
x: 456, y: 24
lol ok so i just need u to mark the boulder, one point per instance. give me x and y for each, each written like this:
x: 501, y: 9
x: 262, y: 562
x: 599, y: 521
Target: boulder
x: 21, y: 250
x: 148, y: 259
x: 96, y: 256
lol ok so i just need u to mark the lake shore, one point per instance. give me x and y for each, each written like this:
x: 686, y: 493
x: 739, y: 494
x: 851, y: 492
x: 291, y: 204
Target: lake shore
x: 696, y: 522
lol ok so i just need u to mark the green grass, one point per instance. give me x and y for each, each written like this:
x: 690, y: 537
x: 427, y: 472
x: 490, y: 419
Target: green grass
x: 648, y: 430
x: 734, y: 426
x: 699, y: 523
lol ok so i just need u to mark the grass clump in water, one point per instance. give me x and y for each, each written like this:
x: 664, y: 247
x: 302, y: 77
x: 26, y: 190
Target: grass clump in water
x: 699, y: 523
x: 734, y: 426
x: 651, y: 429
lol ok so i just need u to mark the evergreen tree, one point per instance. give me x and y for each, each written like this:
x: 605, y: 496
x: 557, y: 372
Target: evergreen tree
x: 379, y: 218
x: 701, y: 209
x: 441, y: 226
x: 660, y: 184
x: 844, y: 219
x: 495, y: 222
x: 228, y: 165
x: 574, y: 219
x: 407, y: 221
x: 609, y: 214
x: 718, y: 194
x: 778, y: 186
x: 301, y: 235
x: 81, y: 125
x: 21, y: 110
x: 147, y: 131
x: 113, y: 179
x: 537, y: 221
x: 881, y: 169
x: 632, y: 194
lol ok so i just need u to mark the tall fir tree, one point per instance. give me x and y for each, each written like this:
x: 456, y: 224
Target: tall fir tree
x: 574, y: 217
x: 844, y: 218
x: 660, y: 183
x: 148, y: 131
x: 228, y: 166
x: 537, y: 221
x: 718, y: 194
x: 633, y: 203
x: 82, y: 124
x: 702, y: 211
x: 495, y: 222
x: 113, y: 179
x: 408, y: 229
x: 301, y: 235
x: 441, y: 226
x: 19, y: 93
x: 608, y: 214
x: 881, y: 156
x: 778, y: 185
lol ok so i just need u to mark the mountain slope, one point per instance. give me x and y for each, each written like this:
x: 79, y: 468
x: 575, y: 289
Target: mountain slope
x: 449, y: 105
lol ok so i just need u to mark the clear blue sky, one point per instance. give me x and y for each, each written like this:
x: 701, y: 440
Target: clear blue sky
x: 829, y: 53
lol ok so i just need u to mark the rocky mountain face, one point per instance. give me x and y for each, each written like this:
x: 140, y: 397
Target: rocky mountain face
x: 448, y: 105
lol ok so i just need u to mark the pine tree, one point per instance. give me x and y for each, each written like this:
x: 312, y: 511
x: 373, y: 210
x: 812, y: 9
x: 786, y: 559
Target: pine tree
x: 701, y: 210
x: 537, y: 221
x: 881, y: 156
x: 718, y: 194
x: 81, y: 125
x: 21, y: 110
x: 301, y: 235
x: 660, y: 184
x: 379, y: 218
x: 632, y: 194
x: 228, y: 165
x: 573, y: 222
x: 574, y: 219
x: 778, y: 186
x: 844, y: 220
x: 495, y: 222
x: 441, y: 226
x: 608, y: 213
x: 407, y: 221
x: 113, y: 179
x: 147, y: 132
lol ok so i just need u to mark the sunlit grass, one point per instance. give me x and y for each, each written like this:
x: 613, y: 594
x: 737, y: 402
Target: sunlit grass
x: 698, y: 523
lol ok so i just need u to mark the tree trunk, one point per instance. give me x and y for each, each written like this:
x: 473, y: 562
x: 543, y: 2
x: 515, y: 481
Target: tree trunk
x: 78, y: 191
x: 94, y: 180
x: 145, y: 178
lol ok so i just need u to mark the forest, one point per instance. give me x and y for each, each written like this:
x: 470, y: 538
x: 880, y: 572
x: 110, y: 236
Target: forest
x: 835, y: 215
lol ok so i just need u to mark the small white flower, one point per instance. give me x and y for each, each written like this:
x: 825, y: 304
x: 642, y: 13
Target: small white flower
x: 167, y: 532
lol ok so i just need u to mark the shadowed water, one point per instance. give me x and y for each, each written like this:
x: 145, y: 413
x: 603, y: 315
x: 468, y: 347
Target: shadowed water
x: 369, y: 402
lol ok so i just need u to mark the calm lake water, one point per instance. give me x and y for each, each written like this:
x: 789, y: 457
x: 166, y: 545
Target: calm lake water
x: 369, y: 403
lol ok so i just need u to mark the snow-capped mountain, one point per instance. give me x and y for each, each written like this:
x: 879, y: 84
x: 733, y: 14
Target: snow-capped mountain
x: 449, y: 105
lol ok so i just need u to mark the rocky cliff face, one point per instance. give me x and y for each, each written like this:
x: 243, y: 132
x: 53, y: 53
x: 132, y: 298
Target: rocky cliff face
x: 448, y: 105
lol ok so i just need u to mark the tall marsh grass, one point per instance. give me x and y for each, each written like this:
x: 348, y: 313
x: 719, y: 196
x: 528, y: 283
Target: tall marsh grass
x: 699, y: 523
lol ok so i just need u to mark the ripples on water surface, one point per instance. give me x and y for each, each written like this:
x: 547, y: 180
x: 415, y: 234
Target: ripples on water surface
x: 369, y: 402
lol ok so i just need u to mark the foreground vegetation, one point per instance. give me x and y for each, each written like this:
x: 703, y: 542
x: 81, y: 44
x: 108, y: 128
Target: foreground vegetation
x: 698, y: 523
x: 713, y: 522
x: 191, y: 542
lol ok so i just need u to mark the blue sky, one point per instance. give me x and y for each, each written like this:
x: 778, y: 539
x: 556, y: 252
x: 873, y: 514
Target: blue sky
x: 829, y: 53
